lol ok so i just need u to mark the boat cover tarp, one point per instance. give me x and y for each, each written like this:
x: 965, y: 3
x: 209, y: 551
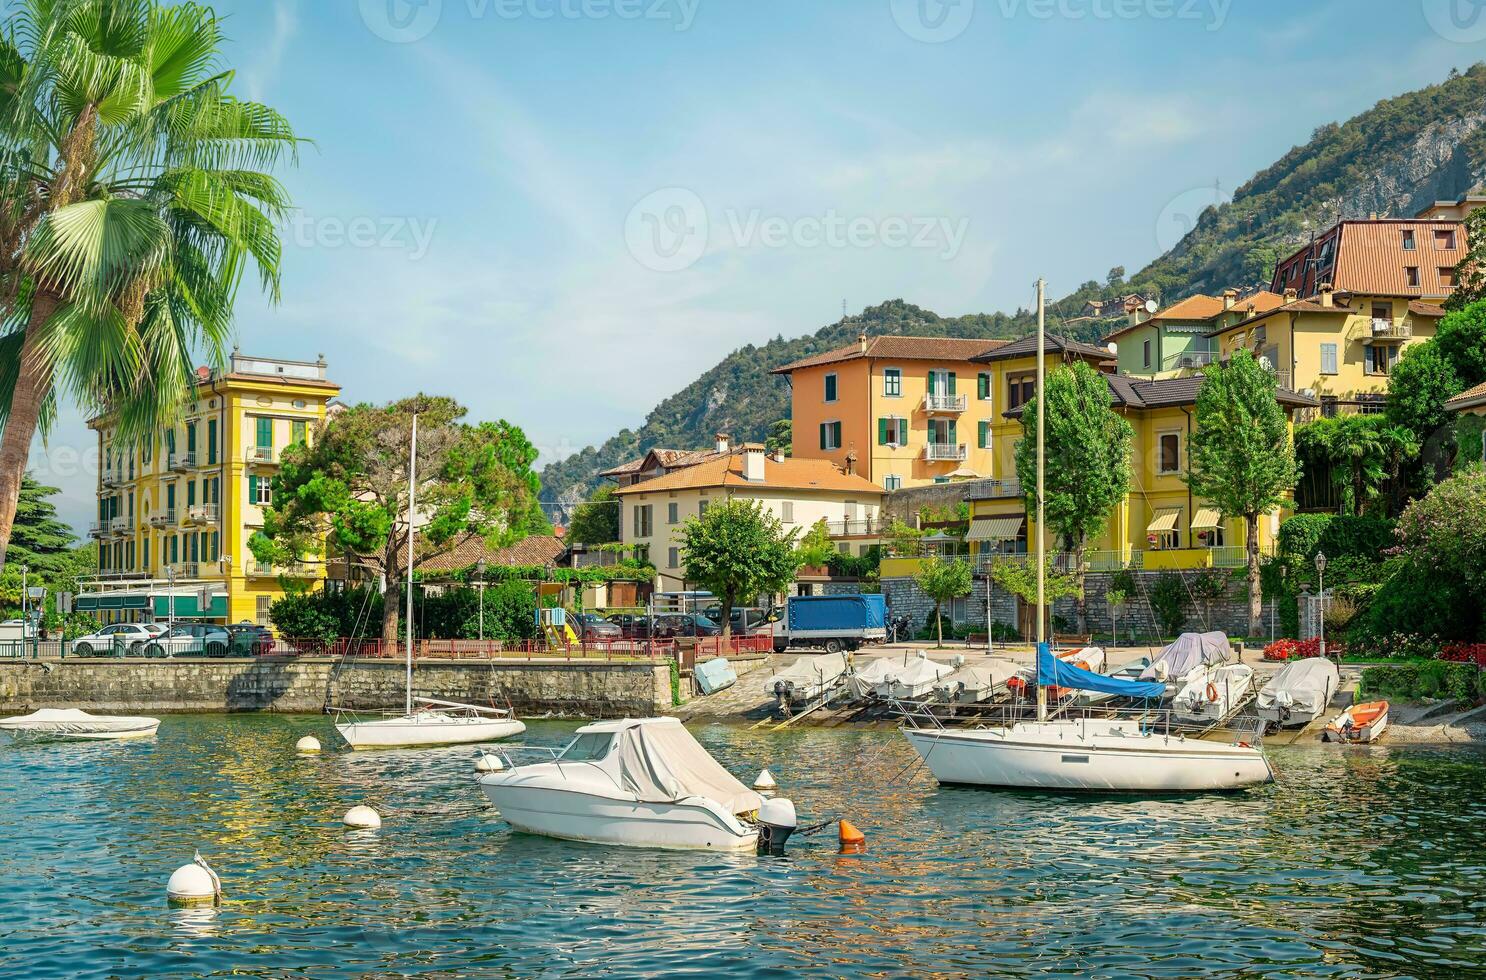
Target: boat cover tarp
x: 864, y: 679
x: 817, y: 671
x: 1053, y: 672
x: 981, y: 679
x: 660, y: 762
x: 1305, y: 684
x: 72, y: 721
x: 1186, y: 653
x: 915, y: 677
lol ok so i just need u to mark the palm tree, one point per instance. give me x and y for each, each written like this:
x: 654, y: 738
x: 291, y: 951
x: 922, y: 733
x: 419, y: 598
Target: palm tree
x: 134, y: 192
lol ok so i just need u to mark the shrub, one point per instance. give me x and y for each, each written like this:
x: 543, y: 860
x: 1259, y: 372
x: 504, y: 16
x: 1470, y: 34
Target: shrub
x: 1301, y: 649
x: 1169, y: 602
x: 1424, y: 680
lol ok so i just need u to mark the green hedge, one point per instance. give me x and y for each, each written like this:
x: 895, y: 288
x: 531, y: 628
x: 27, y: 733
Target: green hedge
x: 1415, y: 681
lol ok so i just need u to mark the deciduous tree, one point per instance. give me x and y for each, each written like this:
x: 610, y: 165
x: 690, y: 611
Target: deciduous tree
x: 943, y: 581
x: 597, y: 521
x: 738, y: 550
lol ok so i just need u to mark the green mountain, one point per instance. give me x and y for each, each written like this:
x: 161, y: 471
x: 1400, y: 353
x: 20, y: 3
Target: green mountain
x: 1394, y: 159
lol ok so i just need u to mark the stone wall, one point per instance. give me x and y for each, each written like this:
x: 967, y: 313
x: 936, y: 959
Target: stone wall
x: 311, y: 684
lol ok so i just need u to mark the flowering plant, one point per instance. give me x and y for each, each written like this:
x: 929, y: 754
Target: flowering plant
x: 1464, y: 653
x: 1300, y: 649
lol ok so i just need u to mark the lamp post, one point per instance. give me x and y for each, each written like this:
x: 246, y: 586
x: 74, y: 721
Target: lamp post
x: 480, y: 571
x: 1321, y: 588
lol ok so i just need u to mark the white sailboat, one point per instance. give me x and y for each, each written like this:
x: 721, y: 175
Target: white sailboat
x: 1110, y: 754
x: 427, y: 722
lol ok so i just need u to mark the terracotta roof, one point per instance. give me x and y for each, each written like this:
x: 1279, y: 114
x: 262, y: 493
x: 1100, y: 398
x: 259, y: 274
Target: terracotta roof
x: 1027, y: 347
x: 1472, y: 398
x: 896, y: 348
x: 1129, y: 392
x: 667, y: 458
x: 539, y: 549
x: 1370, y: 257
x: 786, y: 474
x: 1204, y: 307
x: 1420, y: 308
x: 1296, y: 306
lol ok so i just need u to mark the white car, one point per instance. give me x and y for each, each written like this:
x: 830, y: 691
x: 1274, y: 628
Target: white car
x: 132, y: 637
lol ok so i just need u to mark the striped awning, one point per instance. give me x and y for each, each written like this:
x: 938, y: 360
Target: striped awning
x: 1165, y: 521
x: 996, y: 528
x: 1207, y: 519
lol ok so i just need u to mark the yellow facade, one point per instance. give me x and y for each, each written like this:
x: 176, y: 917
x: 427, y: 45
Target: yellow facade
x: 176, y: 511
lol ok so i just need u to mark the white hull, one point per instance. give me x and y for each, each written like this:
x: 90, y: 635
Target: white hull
x: 426, y: 730
x: 1099, y: 756
x: 573, y: 814
x: 72, y: 725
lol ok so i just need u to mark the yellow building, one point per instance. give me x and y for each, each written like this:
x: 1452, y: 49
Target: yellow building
x: 1176, y: 340
x: 175, y: 511
x: 909, y: 411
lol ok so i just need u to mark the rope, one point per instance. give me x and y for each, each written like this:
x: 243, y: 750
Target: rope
x: 816, y: 828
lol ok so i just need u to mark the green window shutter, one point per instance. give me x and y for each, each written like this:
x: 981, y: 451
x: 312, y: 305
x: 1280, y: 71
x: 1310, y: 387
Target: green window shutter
x: 953, y: 438
x: 211, y: 441
x: 836, y: 431
x: 170, y: 496
x: 882, y: 432
x: 170, y: 440
x: 983, y: 385
x: 265, y: 432
x: 252, y: 489
x: 190, y: 492
x: 823, y: 435
x: 191, y: 438
x: 951, y: 383
x: 981, y: 436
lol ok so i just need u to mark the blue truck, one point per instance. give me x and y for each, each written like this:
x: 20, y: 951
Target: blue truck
x: 834, y: 622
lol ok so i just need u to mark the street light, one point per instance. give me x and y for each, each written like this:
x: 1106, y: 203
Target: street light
x: 1321, y: 588
x: 480, y: 572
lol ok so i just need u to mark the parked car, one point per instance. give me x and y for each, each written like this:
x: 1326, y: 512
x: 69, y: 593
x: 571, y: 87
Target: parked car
x: 631, y: 626
x: 592, y: 626
x: 24, y: 629
x: 745, y: 621
x: 250, y: 639
x: 676, y: 625
x: 191, y: 640
x: 127, y: 638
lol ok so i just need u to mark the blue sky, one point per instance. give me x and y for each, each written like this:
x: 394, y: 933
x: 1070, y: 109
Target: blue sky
x: 561, y: 211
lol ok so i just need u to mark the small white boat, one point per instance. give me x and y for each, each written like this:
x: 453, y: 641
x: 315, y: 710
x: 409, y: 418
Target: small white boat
x: 971, y: 685
x: 864, y: 680
x: 1181, y: 658
x: 913, y: 680
x: 1299, y: 693
x: 72, y: 724
x: 1211, y: 694
x: 809, y: 678
x: 1361, y: 723
x: 432, y: 723
x: 637, y: 783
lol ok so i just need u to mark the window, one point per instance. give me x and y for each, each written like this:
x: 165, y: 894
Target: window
x: 1328, y: 358
x: 299, y: 433
x: 673, y: 558
x: 170, y: 441
x: 262, y: 609
x: 1447, y: 277
x: 211, y: 441
x: 1171, y: 457
x: 1145, y: 356
x: 1019, y: 390
x: 1382, y: 311
x: 170, y: 497
x: 175, y: 549
x: 1408, y: 240
x: 673, y: 513
x: 830, y: 435
x: 892, y: 432
x: 830, y: 387
x: 787, y: 511
x: 260, y: 491
x: 941, y: 382
x: 983, y: 385
x: 146, y: 548
x: 1381, y: 358
x: 892, y: 482
x: 643, y: 526
x: 983, y: 435
x: 1444, y: 238
x: 263, y: 433
x: 147, y: 448
x: 702, y: 508
x: 892, y: 382
x: 586, y: 748
x: 1411, y: 275
x: 190, y: 493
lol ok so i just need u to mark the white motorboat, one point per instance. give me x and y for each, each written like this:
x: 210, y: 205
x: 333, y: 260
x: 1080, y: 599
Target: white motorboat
x: 432, y: 723
x: 1211, y: 694
x: 72, y: 724
x: 809, y: 678
x: 1299, y: 693
x: 1180, y: 658
x: 636, y: 783
x: 864, y: 680
x: 912, y: 680
x: 973, y: 684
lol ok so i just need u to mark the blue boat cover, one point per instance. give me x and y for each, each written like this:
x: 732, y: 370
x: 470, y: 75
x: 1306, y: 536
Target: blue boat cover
x: 1052, y: 672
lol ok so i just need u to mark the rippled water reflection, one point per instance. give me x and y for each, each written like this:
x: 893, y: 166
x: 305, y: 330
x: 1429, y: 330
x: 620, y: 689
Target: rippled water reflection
x: 1358, y: 862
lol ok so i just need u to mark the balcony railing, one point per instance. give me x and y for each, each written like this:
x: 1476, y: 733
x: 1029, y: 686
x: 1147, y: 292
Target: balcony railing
x: 120, y: 525
x: 259, y: 569
x: 1192, y: 360
x: 163, y: 518
x: 945, y: 452
x: 261, y: 454
x: 1383, y: 330
x: 946, y: 403
x: 113, y: 478
x: 97, y: 529
x: 201, y: 514
x: 999, y: 490
x: 859, y: 527
x: 187, y: 569
x: 182, y: 461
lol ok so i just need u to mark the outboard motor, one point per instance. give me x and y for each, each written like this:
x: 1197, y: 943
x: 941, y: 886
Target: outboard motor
x: 782, y: 691
x: 776, y: 821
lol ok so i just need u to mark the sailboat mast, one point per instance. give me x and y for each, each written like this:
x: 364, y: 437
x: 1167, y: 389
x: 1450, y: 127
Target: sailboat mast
x: 412, y: 513
x: 1041, y: 481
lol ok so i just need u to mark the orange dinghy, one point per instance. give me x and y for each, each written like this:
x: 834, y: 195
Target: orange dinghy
x: 1359, y: 723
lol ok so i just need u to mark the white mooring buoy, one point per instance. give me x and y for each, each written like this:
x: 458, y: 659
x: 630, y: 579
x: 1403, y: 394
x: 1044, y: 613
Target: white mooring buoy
x: 194, y: 884
x: 765, y: 782
x: 362, y: 818
x: 485, y: 762
x: 307, y: 744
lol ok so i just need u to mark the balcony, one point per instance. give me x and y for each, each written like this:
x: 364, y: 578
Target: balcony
x: 261, y: 455
x: 1381, y: 330
x: 999, y: 490
x: 98, y: 529
x: 113, y: 478
x: 945, y: 452
x: 201, y: 514
x: 187, y: 569
x: 860, y: 527
x: 946, y: 404
x: 163, y: 518
x: 180, y: 462
x: 259, y: 569
x: 120, y: 526
x: 1192, y: 360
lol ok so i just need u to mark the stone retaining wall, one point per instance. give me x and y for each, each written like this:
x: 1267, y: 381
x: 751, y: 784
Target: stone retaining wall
x: 311, y: 684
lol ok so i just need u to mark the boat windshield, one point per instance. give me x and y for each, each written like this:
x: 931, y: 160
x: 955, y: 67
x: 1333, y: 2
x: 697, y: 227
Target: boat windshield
x: 586, y: 748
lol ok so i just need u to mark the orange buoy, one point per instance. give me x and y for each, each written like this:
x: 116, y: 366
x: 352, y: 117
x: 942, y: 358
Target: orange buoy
x: 853, y: 841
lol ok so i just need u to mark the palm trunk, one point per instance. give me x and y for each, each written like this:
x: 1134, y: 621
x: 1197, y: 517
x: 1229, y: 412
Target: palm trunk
x: 31, y: 388
x: 1256, y: 595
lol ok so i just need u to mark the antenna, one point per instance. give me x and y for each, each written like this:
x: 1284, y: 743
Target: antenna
x: 843, y: 311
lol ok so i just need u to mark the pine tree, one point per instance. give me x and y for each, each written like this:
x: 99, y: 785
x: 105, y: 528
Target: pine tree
x: 40, y: 541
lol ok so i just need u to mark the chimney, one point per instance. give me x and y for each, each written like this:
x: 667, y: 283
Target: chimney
x: 724, y: 442
x: 1328, y: 295
x: 1372, y: 216
x: 1291, y: 296
x: 862, y: 342
x: 851, y: 462
x: 1230, y: 296
x: 753, y: 463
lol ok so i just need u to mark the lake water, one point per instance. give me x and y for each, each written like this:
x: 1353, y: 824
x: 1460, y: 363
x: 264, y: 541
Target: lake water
x: 1359, y: 862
